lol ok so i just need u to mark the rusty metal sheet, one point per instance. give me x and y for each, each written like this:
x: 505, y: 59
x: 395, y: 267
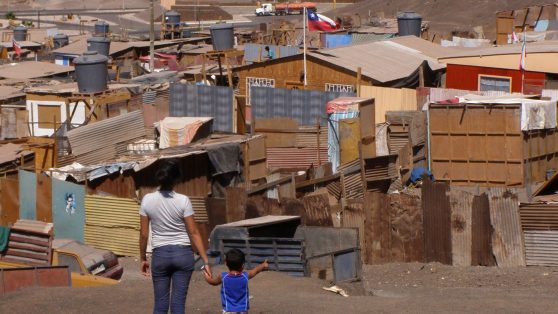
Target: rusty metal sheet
x: 9, y: 201
x: 235, y: 199
x: 481, y: 232
x: 44, y: 198
x: 540, y: 230
x: 13, y: 279
x: 216, y: 211
x: 259, y: 206
x: 461, y: 204
x: 317, y: 211
x: 353, y: 216
x: 507, y: 244
x: 292, y: 207
x: 377, y: 228
x: 406, y: 232
x: 288, y: 157
x: 437, y: 222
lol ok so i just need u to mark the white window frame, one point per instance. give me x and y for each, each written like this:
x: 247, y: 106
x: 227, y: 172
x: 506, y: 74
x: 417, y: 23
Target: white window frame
x: 509, y: 78
x: 342, y: 88
x: 259, y: 82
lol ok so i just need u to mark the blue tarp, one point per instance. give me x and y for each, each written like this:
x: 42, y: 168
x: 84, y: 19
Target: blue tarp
x: 335, y: 40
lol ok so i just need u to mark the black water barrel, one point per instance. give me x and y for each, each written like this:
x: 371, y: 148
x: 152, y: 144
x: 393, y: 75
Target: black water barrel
x: 172, y: 18
x: 101, y: 28
x: 222, y: 36
x: 409, y: 23
x: 60, y: 40
x: 99, y: 44
x: 20, y: 33
x: 91, y: 72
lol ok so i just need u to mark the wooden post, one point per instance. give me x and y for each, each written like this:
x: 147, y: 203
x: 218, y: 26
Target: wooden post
x: 203, y: 69
x: 260, y: 54
x: 421, y: 75
x: 318, y: 141
x: 359, y: 76
x: 229, y: 70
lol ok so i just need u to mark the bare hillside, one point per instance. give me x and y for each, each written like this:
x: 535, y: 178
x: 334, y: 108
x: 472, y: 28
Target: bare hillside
x: 444, y: 15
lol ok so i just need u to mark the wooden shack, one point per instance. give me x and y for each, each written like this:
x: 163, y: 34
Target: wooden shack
x: 493, y: 142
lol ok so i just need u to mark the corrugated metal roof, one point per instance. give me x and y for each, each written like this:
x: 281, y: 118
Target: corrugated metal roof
x: 97, y: 142
x: 33, y: 69
x: 112, y: 224
x: 547, y: 46
x: 382, y: 61
x: 425, y: 47
x: 117, y: 47
x: 8, y: 92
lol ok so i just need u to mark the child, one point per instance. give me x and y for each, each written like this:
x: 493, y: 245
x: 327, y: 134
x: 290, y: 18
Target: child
x: 234, y: 284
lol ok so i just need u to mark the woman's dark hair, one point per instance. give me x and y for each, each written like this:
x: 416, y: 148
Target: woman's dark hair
x: 168, y: 174
x: 234, y: 259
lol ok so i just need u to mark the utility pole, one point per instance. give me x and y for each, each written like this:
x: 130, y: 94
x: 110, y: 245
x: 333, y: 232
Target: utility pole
x: 151, y: 36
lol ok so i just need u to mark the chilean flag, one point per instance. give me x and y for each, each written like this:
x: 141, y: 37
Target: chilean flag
x: 16, y: 47
x: 318, y: 22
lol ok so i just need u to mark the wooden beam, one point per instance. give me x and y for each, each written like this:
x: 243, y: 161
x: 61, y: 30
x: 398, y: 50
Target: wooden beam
x: 358, y: 79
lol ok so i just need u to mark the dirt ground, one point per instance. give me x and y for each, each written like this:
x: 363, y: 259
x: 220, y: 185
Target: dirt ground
x: 391, y: 288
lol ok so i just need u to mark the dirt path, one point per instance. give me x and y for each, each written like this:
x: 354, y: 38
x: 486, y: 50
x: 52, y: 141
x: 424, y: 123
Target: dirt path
x: 392, y: 288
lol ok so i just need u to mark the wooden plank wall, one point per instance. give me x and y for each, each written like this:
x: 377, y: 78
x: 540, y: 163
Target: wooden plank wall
x: 390, y: 99
x: 317, y: 211
x: 9, y: 201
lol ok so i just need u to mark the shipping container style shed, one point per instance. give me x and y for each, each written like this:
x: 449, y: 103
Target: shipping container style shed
x: 493, y: 141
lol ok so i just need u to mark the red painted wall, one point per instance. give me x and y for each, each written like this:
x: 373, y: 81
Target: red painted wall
x: 467, y: 77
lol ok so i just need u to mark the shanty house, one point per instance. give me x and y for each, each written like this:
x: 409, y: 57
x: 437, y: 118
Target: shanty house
x: 390, y: 63
x: 497, y: 68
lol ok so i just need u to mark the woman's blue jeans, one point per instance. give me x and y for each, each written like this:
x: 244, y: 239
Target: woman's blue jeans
x: 171, y: 270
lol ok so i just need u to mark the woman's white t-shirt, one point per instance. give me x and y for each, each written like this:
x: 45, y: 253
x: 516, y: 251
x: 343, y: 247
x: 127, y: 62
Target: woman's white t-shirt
x: 166, y: 212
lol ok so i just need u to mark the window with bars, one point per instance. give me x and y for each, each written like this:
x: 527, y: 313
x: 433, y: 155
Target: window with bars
x: 330, y: 87
x: 258, y: 82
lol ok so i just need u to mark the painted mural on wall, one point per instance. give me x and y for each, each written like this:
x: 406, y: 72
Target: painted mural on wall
x: 68, y: 213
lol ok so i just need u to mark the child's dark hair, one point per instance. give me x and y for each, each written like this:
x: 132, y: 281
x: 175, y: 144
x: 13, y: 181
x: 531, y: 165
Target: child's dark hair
x: 168, y: 174
x: 235, y: 259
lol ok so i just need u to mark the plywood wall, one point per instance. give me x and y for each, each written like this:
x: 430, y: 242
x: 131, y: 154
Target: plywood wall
x: 390, y: 99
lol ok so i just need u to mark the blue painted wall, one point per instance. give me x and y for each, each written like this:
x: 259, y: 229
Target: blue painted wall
x: 27, y: 195
x: 68, y: 210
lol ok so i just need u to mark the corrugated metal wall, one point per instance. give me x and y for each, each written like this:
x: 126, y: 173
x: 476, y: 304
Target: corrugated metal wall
x: 540, y: 232
x: 113, y: 224
x: 68, y: 212
x: 100, y: 141
x: 307, y: 107
x: 203, y: 101
x: 437, y: 222
x: 252, y: 52
x: 507, y: 244
x: 294, y: 157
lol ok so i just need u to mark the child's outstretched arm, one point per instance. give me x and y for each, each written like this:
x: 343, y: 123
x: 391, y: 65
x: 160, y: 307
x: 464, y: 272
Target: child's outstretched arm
x: 256, y: 270
x: 214, y: 281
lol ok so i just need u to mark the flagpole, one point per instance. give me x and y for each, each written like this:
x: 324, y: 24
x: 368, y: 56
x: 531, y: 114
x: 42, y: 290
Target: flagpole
x: 523, y: 55
x: 304, y: 19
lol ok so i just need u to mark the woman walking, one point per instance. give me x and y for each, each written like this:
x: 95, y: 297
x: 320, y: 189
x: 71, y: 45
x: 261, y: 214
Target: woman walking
x: 173, y: 232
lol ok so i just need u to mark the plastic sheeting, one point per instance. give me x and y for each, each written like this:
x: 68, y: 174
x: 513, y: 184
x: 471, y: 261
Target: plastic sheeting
x: 335, y: 40
x: 177, y: 131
